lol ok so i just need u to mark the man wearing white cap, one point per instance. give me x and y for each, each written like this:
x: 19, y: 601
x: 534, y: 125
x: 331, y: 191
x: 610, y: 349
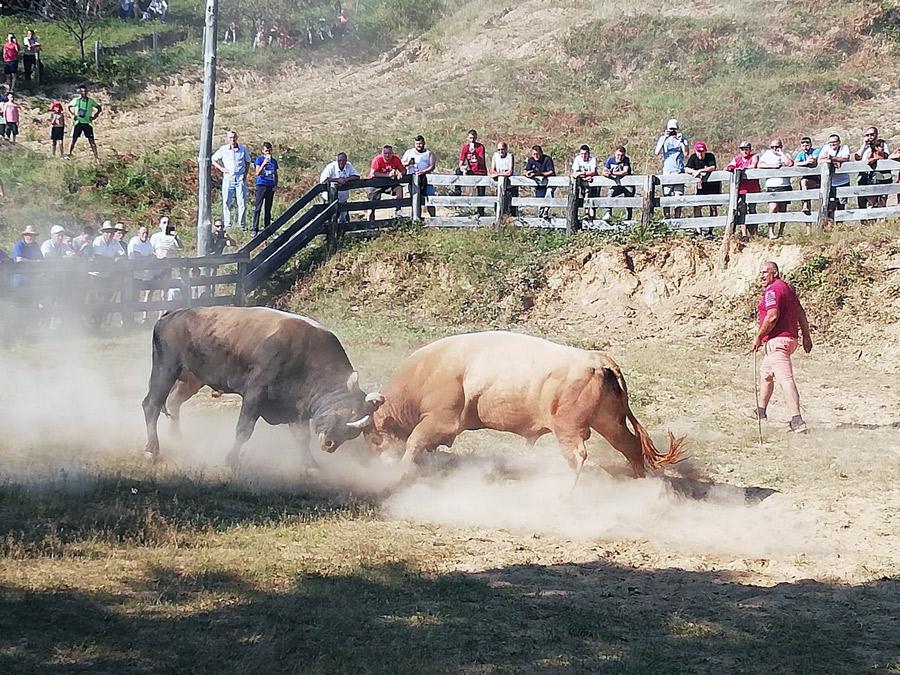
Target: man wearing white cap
x: 673, y: 146
x: 55, y: 247
x: 106, y: 245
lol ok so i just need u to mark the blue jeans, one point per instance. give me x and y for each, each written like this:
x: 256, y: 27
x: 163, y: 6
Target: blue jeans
x: 234, y: 189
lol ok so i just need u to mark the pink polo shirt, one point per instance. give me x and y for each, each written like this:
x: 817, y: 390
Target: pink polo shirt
x: 11, y: 113
x: 780, y: 294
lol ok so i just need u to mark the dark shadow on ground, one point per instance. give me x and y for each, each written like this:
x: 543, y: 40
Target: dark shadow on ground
x: 597, y: 618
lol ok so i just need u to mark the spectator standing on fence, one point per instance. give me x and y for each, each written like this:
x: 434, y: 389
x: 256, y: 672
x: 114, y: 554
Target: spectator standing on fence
x: 31, y: 47
x: 11, y: 60
x: 539, y: 167
x: 503, y: 163
x: 807, y: 156
x: 266, y: 169
x: 745, y: 159
x: 232, y: 160
x: 84, y: 110
x: 776, y: 158
x: 584, y: 168
x: 700, y: 165
x: 10, y: 111
x: 423, y: 161
x: 219, y: 239
x: 616, y: 167
x: 56, y: 247
x: 386, y: 165
x: 472, y: 162
x: 340, y: 171
x: 836, y: 153
x: 57, y: 129
x: 780, y: 318
x: 673, y: 145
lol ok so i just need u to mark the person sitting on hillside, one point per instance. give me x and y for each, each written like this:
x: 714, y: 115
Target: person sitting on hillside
x: 807, y: 156
x: 539, y: 167
x: 157, y: 10
x: 386, y: 165
x: 775, y: 158
x: 745, y: 159
x: 420, y: 161
x: 340, y: 171
x: 503, y: 163
x: 673, y: 146
x: 617, y: 166
x: 472, y: 162
x: 56, y: 247
x: 584, y: 168
x: 699, y: 165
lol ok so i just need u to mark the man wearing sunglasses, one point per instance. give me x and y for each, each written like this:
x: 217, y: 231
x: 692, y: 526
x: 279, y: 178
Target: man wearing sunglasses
x: 775, y: 158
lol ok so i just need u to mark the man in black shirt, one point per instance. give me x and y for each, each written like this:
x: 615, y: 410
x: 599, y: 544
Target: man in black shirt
x: 219, y: 239
x: 540, y: 167
x: 699, y: 165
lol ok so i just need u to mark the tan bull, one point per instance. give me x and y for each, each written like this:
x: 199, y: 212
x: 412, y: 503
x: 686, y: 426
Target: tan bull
x: 517, y: 383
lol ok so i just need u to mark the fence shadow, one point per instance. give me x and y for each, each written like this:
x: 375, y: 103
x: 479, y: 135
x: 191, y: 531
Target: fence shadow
x: 595, y: 617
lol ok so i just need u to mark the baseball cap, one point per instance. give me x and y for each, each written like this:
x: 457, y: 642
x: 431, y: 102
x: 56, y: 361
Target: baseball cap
x: 700, y: 146
x: 673, y: 124
x: 57, y: 229
x: 744, y: 144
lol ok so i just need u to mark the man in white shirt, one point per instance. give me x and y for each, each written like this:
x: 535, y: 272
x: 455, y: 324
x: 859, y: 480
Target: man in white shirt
x: 55, y: 247
x: 421, y: 161
x: 139, y: 246
x: 673, y: 145
x: 584, y: 168
x: 503, y: 163
x: 232, y: 160
x: 340, y: 171
x: 106, y: 245
x: 775, y: 158
x: 836, y: 153
x: 871, y: 150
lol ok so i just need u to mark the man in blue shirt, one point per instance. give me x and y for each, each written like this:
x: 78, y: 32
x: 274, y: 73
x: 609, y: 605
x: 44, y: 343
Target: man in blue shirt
x: 807, y: 156
x: 266, y: 182
x: 26, y: 250
x: 540, y: 167
x: 232, y: 160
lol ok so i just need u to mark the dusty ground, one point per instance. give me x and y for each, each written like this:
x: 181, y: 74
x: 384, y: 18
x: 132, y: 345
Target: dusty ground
x: 484, y: 563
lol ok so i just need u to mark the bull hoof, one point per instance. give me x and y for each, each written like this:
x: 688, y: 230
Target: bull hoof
x: 150, y: 456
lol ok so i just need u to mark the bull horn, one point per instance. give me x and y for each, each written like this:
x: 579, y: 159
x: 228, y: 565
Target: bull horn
x: 376, y: 398
x: 352, y: 381
x: 361, y: 423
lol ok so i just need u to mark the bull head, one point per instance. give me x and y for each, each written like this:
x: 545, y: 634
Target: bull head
x: 373, y: 401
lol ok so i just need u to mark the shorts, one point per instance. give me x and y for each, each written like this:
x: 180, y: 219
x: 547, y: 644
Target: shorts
x: 375, y: 193
x: 777, y: 359
x: 669, y: 190
x: 10, y: 67
x: 57, y: 133
x: 81, y: 128
x: 812, y: 182
x: 12, y: 129
x: 706, y: 188
x: 779, y: 188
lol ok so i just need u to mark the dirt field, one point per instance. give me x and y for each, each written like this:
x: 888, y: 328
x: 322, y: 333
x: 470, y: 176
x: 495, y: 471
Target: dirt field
x: 483, y: 564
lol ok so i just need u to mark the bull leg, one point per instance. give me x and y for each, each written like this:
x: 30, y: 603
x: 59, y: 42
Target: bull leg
x: 184, y: 388
x: 427, y: 435
x: 245, y: 425
x: 162, y: 378
x: 621, y: 438
x: 300, y: 431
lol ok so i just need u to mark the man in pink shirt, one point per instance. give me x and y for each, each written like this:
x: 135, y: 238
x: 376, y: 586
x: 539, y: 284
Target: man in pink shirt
x: 472, y: 162
x: 779, y: 316
x: 11, y: 116
x: 386, y: 165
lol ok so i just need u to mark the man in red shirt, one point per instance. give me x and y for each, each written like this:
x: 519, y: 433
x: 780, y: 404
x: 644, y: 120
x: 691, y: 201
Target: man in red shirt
x: 779, y: 316
x: 386, y: 165
x: 471, y: 163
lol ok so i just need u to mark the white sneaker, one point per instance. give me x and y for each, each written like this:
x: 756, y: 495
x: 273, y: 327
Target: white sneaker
x: 772, y: 235
x: 398, y: 213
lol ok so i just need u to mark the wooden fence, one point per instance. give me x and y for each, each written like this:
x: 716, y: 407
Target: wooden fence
x: 98, y: 287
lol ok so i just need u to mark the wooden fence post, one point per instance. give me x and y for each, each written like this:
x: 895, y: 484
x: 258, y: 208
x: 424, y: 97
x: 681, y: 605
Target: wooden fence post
x: 155, y: 39
x: 732, y: 217
x: 239, y: 285
x: 824, y: 215
x: 415, y: 193
x: 97, y: 55
x: 647, y: 206
x: 332, y: 233
x: 502, y: 206
x: 572, y: 207
x: 128, y: 297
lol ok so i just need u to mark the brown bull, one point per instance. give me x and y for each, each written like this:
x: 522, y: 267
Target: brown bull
x: 516, y: 383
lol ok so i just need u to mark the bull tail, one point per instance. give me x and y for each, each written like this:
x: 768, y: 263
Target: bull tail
x: 652, y: 458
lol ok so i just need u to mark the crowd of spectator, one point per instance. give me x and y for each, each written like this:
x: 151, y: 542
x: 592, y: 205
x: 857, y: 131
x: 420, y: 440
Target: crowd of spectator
x: 262, y: 33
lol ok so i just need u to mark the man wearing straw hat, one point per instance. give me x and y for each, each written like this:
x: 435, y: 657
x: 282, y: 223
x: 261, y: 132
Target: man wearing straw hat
x: 105, y: 244
x: 27, y: 248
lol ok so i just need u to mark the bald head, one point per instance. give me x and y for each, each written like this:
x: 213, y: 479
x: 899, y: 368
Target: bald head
x: 768, y: 272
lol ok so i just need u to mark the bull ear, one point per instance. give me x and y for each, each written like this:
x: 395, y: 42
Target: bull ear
x: 352, y: 381
x: 375, y: 399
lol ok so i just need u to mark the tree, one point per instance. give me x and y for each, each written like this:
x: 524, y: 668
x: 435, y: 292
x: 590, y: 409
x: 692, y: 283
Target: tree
x: 78, y: 18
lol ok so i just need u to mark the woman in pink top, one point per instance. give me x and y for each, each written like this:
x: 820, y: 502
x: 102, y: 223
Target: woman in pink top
x: 11, y: 117
x: 11, y: 60
x: 747, y: 159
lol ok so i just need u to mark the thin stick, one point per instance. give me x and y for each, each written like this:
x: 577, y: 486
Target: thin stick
x: 756, y: 400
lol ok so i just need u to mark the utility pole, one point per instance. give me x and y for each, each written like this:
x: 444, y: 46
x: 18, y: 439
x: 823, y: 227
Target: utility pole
x: 204, y: 163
